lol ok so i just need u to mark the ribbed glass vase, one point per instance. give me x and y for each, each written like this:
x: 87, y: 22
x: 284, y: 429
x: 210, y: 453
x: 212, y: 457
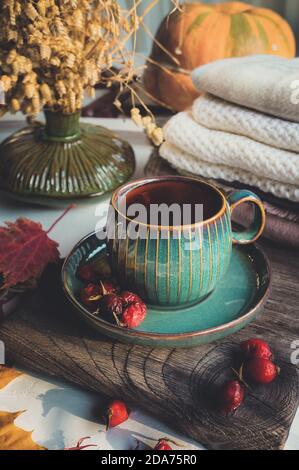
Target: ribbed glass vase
x: 64, y: 159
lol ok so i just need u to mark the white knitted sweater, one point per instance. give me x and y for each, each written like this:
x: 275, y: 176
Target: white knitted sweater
x: 185, y: 162
x: 232, y: 150
x: 237, y: 142
x: 269, y: 84
x: 221, y: 115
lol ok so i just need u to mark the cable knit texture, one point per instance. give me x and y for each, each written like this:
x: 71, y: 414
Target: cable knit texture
x: 231, y: 150
x: 220, y: 115
x: 185, y: 161
x: 266, y: 83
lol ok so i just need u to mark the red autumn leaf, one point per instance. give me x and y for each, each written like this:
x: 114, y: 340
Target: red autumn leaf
x: 25, y: 251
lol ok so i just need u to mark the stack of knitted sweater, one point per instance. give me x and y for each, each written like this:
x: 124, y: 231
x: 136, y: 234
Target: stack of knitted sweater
x: 244, y: 131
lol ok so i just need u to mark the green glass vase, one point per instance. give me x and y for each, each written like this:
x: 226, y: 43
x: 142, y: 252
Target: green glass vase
x: 63, y: 159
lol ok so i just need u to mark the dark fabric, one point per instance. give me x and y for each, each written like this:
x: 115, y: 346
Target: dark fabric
x: 278, y: 229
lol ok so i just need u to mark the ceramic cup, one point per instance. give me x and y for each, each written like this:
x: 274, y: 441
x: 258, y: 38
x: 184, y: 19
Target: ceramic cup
x: 174, y: 264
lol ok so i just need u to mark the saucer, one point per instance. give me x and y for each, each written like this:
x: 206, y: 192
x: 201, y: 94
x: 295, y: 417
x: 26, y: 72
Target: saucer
x: 236, y: 301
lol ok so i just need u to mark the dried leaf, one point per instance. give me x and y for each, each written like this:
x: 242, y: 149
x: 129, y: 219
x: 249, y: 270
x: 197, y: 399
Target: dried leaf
x: 7, y: 375
x: 12, y: 437
x: 25, y: 250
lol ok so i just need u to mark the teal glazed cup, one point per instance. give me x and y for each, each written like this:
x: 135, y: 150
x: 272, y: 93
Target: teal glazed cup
x: 176, y: 264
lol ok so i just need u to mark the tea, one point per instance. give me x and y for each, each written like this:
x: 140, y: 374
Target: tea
x: 203, y: 202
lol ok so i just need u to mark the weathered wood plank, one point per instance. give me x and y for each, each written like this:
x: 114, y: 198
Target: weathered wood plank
x: 179, y: 386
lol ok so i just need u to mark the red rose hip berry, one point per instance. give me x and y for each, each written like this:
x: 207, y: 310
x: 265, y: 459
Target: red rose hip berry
x: 261, y: 371
x: 162, y: 444
x: 256, y: 348
x: 116, y: 413
x: 91, y: 295
x: 233, y: 394
x: 134, y: 315
x: 129, y: 298
x: 111, y: 304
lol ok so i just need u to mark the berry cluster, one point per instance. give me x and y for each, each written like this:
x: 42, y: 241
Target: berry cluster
x: 257, y: 367
x: 105, y: 298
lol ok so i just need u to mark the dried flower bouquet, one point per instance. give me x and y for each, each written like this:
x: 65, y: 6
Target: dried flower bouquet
x: 52, y: 52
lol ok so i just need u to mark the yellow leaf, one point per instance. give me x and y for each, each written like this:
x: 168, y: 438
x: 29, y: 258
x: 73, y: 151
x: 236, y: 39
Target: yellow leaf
x: 7, y: 375
x: 12, y: 437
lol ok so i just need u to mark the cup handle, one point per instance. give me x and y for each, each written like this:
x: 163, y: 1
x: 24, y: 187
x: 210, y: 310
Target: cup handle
x: 251, y: 234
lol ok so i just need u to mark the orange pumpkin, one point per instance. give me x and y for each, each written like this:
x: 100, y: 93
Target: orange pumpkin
x: 202, y: 33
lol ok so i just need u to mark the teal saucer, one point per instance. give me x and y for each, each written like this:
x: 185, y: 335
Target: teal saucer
x: 236, y: 301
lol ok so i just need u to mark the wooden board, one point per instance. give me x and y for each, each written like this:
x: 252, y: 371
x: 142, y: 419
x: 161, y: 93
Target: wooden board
x: 178, y: 386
